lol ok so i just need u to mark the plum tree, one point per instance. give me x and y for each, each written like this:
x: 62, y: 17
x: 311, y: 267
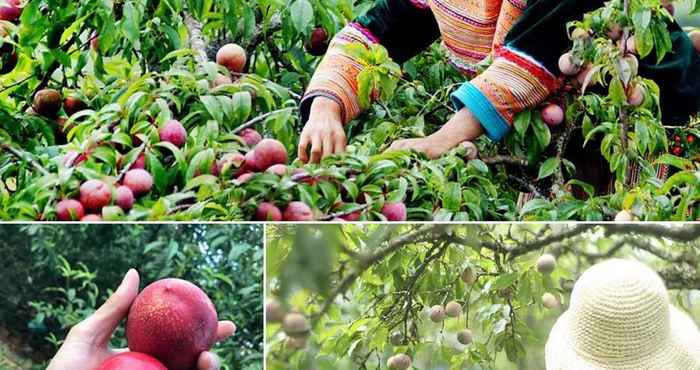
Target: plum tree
x: 370, y: 291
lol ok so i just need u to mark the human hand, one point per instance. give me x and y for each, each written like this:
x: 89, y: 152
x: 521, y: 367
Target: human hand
x: 87, y: 345
x: 463, y: 126
x: 323, y: 131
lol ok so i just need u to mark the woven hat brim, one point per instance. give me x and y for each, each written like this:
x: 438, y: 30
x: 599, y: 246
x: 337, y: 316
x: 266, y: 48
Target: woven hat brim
x: 681, y: 352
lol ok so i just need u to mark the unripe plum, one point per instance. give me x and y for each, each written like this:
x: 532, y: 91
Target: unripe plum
x: 635, y: 95
x: 295, y: 325
x: 268, y: 212
x: 552, y: 115
x: 624, y: 216
x: 69, y: 210
x: 173, y: 132
x: 399, y: 361
x: 396, y: 338
x: 295, y: 343
x: 95, y: 194
x: 112, y: 213
x: 233, y: 57
x: 273, y: 311
x: 453, y: 309
x: 550, y: 301
x: 297, y: 211
x: 465, y: 337
x: 468, y: 276
x: 546, y: 263
x: 472, y: 152
x: 567, y: 66
x: 394, y: 211
x: 437, y: 313
x: 139, y: 181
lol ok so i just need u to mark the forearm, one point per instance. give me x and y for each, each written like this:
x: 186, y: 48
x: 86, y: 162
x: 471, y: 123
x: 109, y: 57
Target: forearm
x: 463, y: 126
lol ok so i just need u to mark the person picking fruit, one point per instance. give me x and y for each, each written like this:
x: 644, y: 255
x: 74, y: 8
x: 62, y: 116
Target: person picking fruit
x: 526, y: 41
x: 87, y: 345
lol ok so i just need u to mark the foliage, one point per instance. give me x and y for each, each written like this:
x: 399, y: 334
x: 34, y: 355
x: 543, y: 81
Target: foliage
x: 372, y: 281
x: 62, y: 273
x: 140, y: 72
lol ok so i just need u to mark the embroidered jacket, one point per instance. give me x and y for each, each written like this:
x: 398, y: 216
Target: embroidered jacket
x: 524, y: 40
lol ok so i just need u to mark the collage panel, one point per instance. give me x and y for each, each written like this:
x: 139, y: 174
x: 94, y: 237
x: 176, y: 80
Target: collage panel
x: 483, y: 296
x: 173, y: 296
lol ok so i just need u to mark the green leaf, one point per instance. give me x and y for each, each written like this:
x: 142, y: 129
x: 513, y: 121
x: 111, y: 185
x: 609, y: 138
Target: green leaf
x: 548, y: 168
x: 452, y: 196
x: 302, y: 14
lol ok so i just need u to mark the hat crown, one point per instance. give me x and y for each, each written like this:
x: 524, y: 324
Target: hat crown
x: 620, y: 311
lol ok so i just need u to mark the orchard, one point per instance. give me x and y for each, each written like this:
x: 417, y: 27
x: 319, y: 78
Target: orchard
x: 147, y: 110
x: 432, y: 296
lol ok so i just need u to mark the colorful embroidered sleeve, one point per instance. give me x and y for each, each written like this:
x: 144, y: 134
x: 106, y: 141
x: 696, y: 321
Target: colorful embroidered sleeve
x: 524, y: 70
x: 389, y: 22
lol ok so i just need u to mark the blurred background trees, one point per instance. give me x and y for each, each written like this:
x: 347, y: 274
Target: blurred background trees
x: 56, y: 275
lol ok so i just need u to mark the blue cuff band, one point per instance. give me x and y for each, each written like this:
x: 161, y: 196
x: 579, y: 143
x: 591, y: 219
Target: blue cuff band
x: 470, y: 97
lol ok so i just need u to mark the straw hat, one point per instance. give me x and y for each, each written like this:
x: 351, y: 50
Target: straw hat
x: 620, y: 318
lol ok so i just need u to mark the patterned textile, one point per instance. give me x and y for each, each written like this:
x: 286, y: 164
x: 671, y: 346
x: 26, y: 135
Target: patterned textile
x: 470, y: 29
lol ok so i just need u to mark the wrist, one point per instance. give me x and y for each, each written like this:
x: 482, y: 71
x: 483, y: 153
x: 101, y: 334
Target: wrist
x: 463, y: 126
x: 324, y: 105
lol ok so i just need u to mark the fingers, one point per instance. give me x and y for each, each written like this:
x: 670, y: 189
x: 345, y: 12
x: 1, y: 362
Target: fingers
x: 98, y: 328
x: 339, y: 143
x: 225, y: 330
x: 327, y: 143
x: 303, y: 144
x: 316, y: 148
x: 208, y: 361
